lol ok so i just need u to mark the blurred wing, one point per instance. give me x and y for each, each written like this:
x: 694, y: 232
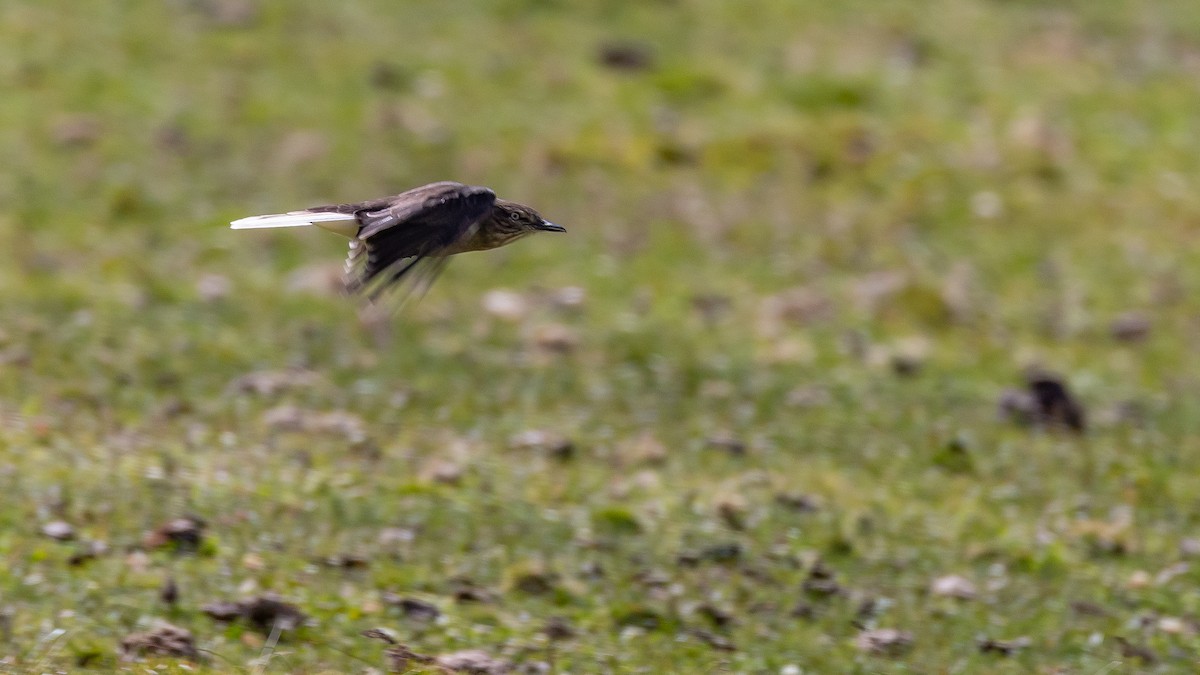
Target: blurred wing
x: 406, y: 237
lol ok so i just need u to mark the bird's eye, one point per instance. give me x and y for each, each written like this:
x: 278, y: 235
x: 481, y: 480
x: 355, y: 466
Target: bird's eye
x: 514, y: 216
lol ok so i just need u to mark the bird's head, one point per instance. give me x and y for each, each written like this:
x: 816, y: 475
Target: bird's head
x: 511, y: 220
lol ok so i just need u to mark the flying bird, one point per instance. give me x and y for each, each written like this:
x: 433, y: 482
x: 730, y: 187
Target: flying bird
x: 408, y: 237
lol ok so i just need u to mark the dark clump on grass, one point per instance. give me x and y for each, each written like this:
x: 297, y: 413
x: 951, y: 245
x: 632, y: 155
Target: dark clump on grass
x: 413, y: 608
x: 718, y: 616
x: 1132, y: 650
x: 465, y: 590
x: 87, y: 552
x: 400, y: 657
x: 1004, y: 647
x: 821, y: 581
x: 169, y: 592
x: 558, y: 628
x: 714, y: 640
x: 625, y: 55
x: 1046, y: 402
x: 264, y: 613
x: 165, y: 640
x: 186, y: 534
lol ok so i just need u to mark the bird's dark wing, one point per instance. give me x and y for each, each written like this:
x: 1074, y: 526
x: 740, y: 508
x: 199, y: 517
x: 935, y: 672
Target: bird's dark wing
x: 406, y: 236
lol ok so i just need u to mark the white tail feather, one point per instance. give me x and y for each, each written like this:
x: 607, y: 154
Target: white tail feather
x: 343, y: 223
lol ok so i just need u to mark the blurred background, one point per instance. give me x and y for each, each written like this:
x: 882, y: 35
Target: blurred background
x: 812, y: 248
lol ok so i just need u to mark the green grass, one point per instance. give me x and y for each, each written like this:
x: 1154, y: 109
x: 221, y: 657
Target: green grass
x: 986, y: 183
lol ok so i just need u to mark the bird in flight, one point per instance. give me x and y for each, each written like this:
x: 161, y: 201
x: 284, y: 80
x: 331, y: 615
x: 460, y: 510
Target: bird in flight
x: 408, y: 237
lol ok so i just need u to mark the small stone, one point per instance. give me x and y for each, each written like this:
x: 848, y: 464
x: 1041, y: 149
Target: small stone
x: 1139, y: 579
x: 59, y: 530
x: 569, y: 297
x: 474, y: 661
x: 555, y: 338
x: 1130, y: 327
x: 1189, y: 548
x: 954, y: 586
x: 884, y: 642
x: 551, y: 443
x: 505, y: 304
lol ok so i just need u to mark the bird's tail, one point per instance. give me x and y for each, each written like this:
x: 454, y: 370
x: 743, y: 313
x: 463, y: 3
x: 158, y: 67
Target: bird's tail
x: 345, y: 224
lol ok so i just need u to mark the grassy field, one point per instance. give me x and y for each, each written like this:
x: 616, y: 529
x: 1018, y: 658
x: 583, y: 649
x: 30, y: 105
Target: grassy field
x: 742, y: 418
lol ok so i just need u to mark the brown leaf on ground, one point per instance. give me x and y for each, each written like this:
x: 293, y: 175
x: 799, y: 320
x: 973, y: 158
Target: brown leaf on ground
x: 473, y: 661
x: 263, y: 612
x: 625, y: 55
x: 555, y: 338
x: 1004, y: 647
x: 88, y: 551
x: 718, y: 642
x: 165, y: 640
x: 347, y: 561
x: 1130, y: 327
x: 800, y: 503
x: 721, y: 618
x: 549, y: 442
x: 733, y: 510
x: 954, y: 586
x: 804, y: 610
x: 267, y: 611
x: 867, y: 609
x: 413, y: 608
x: 186, y: 532
x: 809, y: 397
x: 59, y: 530
x: 1130, y: 650
x: 884, y: 642
x: 399, y: 656
x: 1086, y: 608
x: 558, y: 628
x: 222, y: 610
x: 799, y: 306
x: 728, y: 444
x: 821, y: 581
x: 443, y: 471
x: 723, y: 553
x: 466, y: 590
x: 644, y: 449
x: 535, y: 582
x: 169, y: 592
